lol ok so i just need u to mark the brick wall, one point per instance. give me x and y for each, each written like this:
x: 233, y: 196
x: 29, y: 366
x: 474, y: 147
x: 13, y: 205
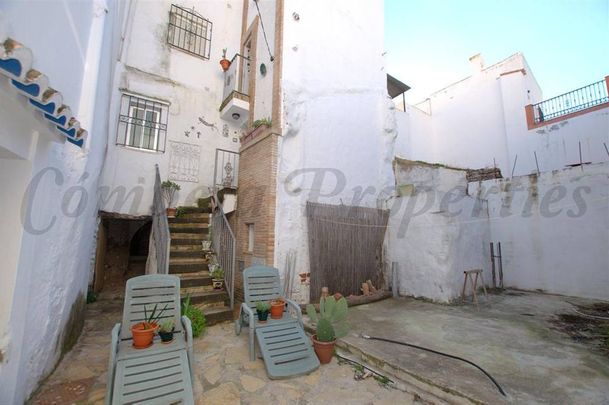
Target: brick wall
x: 256, y: 204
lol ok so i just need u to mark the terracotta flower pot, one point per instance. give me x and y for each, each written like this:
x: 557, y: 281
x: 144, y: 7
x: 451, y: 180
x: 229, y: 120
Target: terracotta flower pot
x: 171, y: 212
x: 323, y: 350
x: 277, y: 307
x: 225, y: 63
x: 143, y: 334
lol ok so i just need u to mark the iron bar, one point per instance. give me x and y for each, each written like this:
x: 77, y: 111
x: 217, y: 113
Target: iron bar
x: 493, y: 266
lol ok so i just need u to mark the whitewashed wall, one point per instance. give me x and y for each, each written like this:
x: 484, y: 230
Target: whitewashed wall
x: 436, y: 231
x: 336, y: 115
x: 480, y: 121
x: 45, y: 271
x: 553, y: 229
x: 192, y: 87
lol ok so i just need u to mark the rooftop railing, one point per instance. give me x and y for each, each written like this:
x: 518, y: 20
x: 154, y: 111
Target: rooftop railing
x: 573, y: 101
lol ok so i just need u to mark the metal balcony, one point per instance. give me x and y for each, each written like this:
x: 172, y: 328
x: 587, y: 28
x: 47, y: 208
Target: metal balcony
x: 235, y: 105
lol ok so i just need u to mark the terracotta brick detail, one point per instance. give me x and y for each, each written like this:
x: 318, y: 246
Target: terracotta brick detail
x: 256, y: 204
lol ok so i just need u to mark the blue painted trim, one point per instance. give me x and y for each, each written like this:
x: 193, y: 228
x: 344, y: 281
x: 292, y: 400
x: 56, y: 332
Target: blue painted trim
x: 13, y: 66
x: 68, y: 132
x: 47, y: 108
x: 60, y: 121
x: 31, y: 89
x: 78, y: 143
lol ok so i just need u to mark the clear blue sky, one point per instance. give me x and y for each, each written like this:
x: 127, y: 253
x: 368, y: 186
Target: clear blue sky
x: 428, y: 42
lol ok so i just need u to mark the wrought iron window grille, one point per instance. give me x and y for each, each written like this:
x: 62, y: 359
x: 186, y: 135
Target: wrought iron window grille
x: 189, y: 31
x: 142, y: 123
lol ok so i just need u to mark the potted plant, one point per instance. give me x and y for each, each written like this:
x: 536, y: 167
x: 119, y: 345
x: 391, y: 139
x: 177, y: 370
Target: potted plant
x: 169, y: 189
x: 143, y: 332
x: 225, y: 63
x: 217, y: 277
x: 166, y: 331
x: 277, y: 307
x: 262, y: 309
x: 206, y: 245
x: 331, y: 323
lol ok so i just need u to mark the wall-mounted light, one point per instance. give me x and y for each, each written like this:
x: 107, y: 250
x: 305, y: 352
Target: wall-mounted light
x: 236, y: 116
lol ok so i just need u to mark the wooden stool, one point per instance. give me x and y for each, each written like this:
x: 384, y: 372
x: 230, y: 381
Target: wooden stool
x: 474, y: 283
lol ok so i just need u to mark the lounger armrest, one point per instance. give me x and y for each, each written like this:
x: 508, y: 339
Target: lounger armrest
x: 249, y: 313
x: 187, y: 326
x: 112, y: 361
x: 296, y: 308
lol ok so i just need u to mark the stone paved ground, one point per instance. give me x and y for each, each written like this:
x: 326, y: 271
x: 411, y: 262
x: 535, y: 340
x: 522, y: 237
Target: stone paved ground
x: 224, y: 374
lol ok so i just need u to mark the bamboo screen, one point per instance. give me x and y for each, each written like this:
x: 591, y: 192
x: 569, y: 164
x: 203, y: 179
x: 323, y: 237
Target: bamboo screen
x: 345, y: 247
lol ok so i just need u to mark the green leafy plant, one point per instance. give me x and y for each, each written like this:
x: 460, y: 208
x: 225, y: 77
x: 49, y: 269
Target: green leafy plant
x: 167, y: 325
x: 169, y: 189
x: 91, y: 297
x: 218, y: 273
x: 154, y: 317
x: 224, y: 53
x: 263, y: 306
x: 180, y: 211
x: 332, y: 318
x: 197, y: 319
x: 262, y: 121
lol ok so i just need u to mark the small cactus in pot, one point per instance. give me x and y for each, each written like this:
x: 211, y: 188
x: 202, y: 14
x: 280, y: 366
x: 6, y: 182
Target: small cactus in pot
x: 331, y: 323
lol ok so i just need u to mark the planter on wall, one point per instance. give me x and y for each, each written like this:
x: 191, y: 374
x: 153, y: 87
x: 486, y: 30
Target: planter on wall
x: 225, y: 63
x: 171, y: 212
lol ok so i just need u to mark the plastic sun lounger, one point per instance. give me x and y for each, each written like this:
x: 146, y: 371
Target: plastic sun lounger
x: 285, y: 348
x: 162, y: 373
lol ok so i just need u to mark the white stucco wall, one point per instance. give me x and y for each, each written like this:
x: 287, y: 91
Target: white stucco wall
x: 50, y: 267
x: 436, y: 231
x: 553, y: 229
x: 336, y: 115
x: 192, y: 87
x: 480, y: 122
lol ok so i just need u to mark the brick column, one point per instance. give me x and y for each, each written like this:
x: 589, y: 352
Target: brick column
x: 530, y: 116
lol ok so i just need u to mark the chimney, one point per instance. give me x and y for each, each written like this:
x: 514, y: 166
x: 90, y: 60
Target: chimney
x: 477, y: 63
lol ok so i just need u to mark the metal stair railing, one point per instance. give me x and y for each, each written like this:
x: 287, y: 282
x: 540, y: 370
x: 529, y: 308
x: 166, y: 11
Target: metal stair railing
x: 159, y: 234
x: 224, y: 245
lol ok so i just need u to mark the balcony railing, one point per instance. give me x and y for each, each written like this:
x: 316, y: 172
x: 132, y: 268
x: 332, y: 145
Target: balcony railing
x: 236, y: 80
x: 568, y: 103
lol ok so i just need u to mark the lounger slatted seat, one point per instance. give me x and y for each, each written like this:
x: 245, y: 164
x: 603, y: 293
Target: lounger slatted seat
x: 162, y: 373
x: 285, y: 348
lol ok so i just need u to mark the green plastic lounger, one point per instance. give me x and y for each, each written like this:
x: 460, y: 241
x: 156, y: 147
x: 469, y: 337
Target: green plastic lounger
x: 162, y: 373
x: 285, y: 348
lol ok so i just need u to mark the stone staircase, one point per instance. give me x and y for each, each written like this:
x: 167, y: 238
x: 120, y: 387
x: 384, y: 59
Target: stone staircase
x: 186, y: 260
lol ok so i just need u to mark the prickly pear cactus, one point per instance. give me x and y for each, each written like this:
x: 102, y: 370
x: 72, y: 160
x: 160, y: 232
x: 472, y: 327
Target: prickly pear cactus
x: 325, y: 331
x: 334, y: 312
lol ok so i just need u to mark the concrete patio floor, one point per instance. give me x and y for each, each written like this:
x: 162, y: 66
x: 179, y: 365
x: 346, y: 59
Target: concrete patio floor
x: 223, y: 372
x: 513, y: 337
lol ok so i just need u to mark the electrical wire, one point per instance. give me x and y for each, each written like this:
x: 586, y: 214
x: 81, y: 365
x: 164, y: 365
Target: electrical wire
x: 264, y: 31
x: 437, y: 352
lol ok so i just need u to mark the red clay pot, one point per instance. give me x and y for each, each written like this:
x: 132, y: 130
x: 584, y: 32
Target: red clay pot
x: 143, y: 334
x: 225, y: 63
x: 323, y: 350
x: 171, y: 212
x: 277, y: 307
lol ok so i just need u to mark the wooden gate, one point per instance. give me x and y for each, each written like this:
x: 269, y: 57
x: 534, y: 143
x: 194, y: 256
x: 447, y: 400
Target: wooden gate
x: 345, y: 247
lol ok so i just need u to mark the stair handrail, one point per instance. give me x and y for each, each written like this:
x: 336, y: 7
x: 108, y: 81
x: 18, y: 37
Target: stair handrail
x: 159, y: 233
x: 224, y: 244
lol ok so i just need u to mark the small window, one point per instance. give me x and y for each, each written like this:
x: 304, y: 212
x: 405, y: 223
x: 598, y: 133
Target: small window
x: 142, y: 123
x: 189, y: 31
x: 250, y: 237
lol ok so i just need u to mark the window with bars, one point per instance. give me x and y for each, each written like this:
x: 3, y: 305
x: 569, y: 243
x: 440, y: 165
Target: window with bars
x: 142, y: 123
x: 189, y: 31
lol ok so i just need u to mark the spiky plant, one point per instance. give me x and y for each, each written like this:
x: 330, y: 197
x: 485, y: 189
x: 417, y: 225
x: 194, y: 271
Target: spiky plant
x: 332, y: 318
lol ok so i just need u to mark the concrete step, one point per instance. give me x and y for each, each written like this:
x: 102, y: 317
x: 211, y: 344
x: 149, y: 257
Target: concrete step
x: 193, y: 218
x: 195, y: 210
x: 195, y: 279
x: 187, y: 265
x: 189, y: 228
x: 188, y: 235
x: 205, y: 295
x: 194, y: 252
x: 216, y: 315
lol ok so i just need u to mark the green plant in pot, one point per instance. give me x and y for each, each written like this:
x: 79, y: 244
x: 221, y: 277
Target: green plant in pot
x: 331, y: 323
x: 169, y: 190
x: 166, y: 330
x: 262, y: 309
x: 217, y: 277
x: 143, y: 332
